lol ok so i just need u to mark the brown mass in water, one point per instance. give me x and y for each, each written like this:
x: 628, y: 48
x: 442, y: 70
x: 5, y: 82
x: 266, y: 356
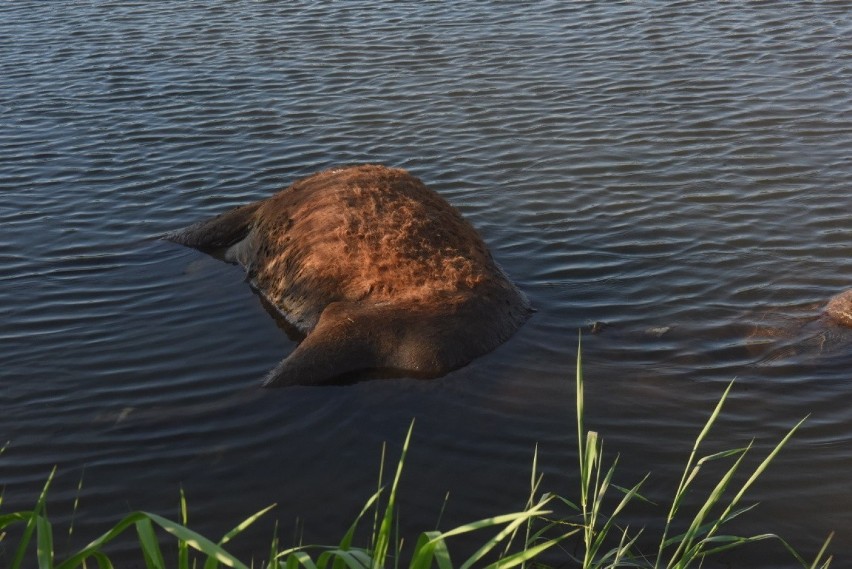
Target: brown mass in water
x: 782, y: 334
x: 839, y: 308
x: 375, y: 268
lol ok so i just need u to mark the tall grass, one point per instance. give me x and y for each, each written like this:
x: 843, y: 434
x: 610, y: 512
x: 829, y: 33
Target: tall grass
x: 431, y: 547
x: 35, y: 522
x: 607, y: 545
x: 509, y: 540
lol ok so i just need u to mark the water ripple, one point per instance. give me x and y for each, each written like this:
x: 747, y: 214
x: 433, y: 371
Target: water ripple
x: 678, y: 171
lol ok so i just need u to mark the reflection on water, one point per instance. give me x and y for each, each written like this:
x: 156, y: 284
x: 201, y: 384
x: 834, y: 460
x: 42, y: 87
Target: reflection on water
x: 679, y: 171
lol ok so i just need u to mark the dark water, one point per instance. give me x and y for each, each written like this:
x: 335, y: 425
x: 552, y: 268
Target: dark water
x: 678, y: 170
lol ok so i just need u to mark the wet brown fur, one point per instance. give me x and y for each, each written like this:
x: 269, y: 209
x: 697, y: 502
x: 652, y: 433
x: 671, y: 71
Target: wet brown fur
x: 378, y: 270
x: 839, y: 308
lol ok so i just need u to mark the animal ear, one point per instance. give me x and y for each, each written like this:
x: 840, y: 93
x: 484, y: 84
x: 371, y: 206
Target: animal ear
x: 218, y: 233
x: 339, y: 344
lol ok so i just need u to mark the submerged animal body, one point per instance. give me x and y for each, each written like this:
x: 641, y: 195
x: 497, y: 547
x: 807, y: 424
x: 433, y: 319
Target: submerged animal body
x: 804, y: 331
x: 378, y: 271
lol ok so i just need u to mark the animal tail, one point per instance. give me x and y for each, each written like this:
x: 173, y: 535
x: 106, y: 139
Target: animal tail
x: 218, y: 233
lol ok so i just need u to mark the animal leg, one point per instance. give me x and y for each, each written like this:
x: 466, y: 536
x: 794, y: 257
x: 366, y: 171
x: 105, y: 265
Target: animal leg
x: 339, y: 344
x: 219, y: 233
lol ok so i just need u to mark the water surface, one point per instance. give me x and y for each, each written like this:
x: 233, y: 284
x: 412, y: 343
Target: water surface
x: 677, y: 170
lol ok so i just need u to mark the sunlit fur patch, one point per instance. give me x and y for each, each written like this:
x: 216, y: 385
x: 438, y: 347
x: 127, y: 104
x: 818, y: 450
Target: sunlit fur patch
x: 362, y: 232
x: 839, y: 308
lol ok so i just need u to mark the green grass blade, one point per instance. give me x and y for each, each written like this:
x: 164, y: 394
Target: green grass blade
x: 150, y: 545
x: 346, y: 542
x: 736, y: 513
x: 442, y: 510
x: 623, y: 550
x: 296, y: 549
x: 350, y: 559
x: 637, y: 495
x: 607, y: 527
x: 511, y: 526
x: 568, y: 503
x: 183, y: 550
x: 75, y: 506
x: 495, y: 521
x: 379, y: 490
x: 602, y: 487
x: 302, y: 559
x: 435, y: 541
x: 688, y: 473
x: 102, y: 560
x: 704, y: 529
x: 362, y: 556
x: 726, y: 514
x: 430, y: 547
x: 523, y: 556
x: 589, y: 486
x: 424, y: 548
x: 44, y: 543
x: 595, y: 538
x: 822, y: 551
x: 32, y: 521
x: 211, y: 562
x: 7, y: 520
x: 241, y: 527
x: 442, y: 555
x: 535, y: 483
x: 726, y: 542
x: 273, y: 549
x: 763, y: 465
x: 581, y: 453
x: 95, y: 546
x: 693, y: 533
x: 383, y: 537
x: 197, y: 541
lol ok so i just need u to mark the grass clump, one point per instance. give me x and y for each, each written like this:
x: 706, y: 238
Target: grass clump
x: 431, y: 548
x: 36, y: 523
x: 510, y: 540
x: 195, y: 550
x: 607, y: 545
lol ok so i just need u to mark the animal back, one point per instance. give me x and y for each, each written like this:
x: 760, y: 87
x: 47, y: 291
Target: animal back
x: 367, y: 231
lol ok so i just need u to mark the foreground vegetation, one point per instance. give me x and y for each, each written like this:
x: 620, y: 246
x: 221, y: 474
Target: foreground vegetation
x: 510, y: 540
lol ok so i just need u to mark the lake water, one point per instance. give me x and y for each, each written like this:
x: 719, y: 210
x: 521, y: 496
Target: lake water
x: 678, y: 170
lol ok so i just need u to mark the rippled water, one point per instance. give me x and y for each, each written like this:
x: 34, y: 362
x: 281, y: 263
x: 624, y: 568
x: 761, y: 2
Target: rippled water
x: 680, y: 171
